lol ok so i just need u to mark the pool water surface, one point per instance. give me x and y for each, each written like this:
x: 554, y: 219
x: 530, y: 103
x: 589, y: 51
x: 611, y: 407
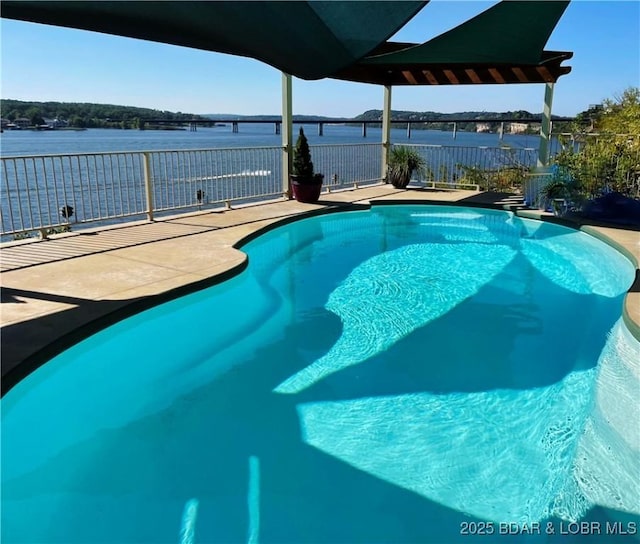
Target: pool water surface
x: 391, y: 375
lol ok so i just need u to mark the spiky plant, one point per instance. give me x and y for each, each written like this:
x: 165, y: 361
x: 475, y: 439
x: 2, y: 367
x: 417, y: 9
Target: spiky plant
x: 403, y: 162
x: 302, y: 165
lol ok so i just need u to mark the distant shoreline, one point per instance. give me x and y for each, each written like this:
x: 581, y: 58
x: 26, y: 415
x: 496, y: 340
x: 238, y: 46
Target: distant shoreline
x: 41, y: 129
x: 78, y: 129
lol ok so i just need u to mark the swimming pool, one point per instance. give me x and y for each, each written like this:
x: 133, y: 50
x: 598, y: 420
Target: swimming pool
x: 403, y: 374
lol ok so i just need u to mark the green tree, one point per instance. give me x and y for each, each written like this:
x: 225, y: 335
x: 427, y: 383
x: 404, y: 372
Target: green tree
x: 76, y: 121
x: 302, y: 165
x: 609, y: 158
x: 621, y: 116
x: 34, y: 115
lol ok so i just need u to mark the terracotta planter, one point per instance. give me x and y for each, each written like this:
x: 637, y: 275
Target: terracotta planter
x: 307, y: 191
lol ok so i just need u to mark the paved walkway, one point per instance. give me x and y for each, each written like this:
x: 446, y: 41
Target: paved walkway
x: 58, y: 290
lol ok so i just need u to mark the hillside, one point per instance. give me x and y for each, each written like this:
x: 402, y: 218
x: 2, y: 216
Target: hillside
x: 85, y: 114
x: 442, y: 121
x: 372, y: 115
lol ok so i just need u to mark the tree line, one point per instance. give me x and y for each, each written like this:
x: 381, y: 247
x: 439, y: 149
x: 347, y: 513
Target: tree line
x: 442, y: 121
x: 87, y: 115
x: 90, y: 115
x: 605, y: 158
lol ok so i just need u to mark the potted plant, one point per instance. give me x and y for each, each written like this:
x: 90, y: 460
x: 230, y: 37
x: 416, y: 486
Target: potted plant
x: 403, y: 163
x: 555, y: 195
x: 305, y: 183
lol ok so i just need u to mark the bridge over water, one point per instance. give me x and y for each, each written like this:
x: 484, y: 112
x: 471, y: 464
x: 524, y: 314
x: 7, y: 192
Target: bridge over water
x: 277, y: 122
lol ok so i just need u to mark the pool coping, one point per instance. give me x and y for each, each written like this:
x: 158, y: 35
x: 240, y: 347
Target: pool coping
x: 91, y: 323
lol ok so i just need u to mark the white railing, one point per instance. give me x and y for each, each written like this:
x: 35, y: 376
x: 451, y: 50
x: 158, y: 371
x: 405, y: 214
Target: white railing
x: 348, y: 164
x: 456, y: 164
x: 44, y: 192
x: 48, y: 191
x: 39, y: 193
x: 188, y: 179
x: 535, y: 182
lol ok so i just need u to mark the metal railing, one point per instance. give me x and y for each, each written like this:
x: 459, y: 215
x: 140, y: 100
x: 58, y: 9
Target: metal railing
x: 455, y: 165
x: 51, y: 190
x: 39, y: 193
x: 187, y: 179
x: 348, y: 164
x: 532, y: 190
x: 48, y: 191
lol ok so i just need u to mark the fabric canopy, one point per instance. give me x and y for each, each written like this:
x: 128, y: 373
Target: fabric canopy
x: 338, y: 39
x: 504, y: 44
x: 310, y: 40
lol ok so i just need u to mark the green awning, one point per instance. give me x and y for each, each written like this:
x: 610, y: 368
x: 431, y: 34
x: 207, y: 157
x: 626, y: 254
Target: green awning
x: 504, y: 44
x: 339, y: 39
x: 309, y: 40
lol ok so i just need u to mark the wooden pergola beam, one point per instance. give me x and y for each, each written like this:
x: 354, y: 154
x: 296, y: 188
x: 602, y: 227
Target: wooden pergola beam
x: 457, y: 74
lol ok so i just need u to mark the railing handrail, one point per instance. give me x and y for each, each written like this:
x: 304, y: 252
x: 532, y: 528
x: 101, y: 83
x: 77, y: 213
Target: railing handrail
x: 271, y: 147
x: 137, y: 152
x: 338, y: 144
x: 118, y: 185
x: 598, y: 134
x: 504, y: 147
x: 122, y: 185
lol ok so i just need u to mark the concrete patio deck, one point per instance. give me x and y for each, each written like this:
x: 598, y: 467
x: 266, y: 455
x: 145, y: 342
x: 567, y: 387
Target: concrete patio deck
x: 56, y: 291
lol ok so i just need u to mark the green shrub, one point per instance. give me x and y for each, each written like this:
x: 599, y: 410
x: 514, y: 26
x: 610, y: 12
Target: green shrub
x: 609, y: 159
x: 302, y: 165
x: 403, y: 163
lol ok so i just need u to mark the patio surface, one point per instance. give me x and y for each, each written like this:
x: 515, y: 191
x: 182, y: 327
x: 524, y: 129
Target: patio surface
x: 56, y: 291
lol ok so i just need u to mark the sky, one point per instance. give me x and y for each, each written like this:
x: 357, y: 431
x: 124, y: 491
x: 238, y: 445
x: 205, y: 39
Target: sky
x: 46, y: 63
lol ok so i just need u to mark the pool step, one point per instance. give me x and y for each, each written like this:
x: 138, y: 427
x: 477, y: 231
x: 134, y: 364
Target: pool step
x: 512, y: 202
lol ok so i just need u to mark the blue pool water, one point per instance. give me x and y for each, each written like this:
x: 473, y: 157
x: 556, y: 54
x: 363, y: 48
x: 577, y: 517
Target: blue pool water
x: 406, y: 374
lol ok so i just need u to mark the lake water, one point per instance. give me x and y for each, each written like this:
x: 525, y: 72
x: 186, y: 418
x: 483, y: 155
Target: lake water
x: 27, y: 142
